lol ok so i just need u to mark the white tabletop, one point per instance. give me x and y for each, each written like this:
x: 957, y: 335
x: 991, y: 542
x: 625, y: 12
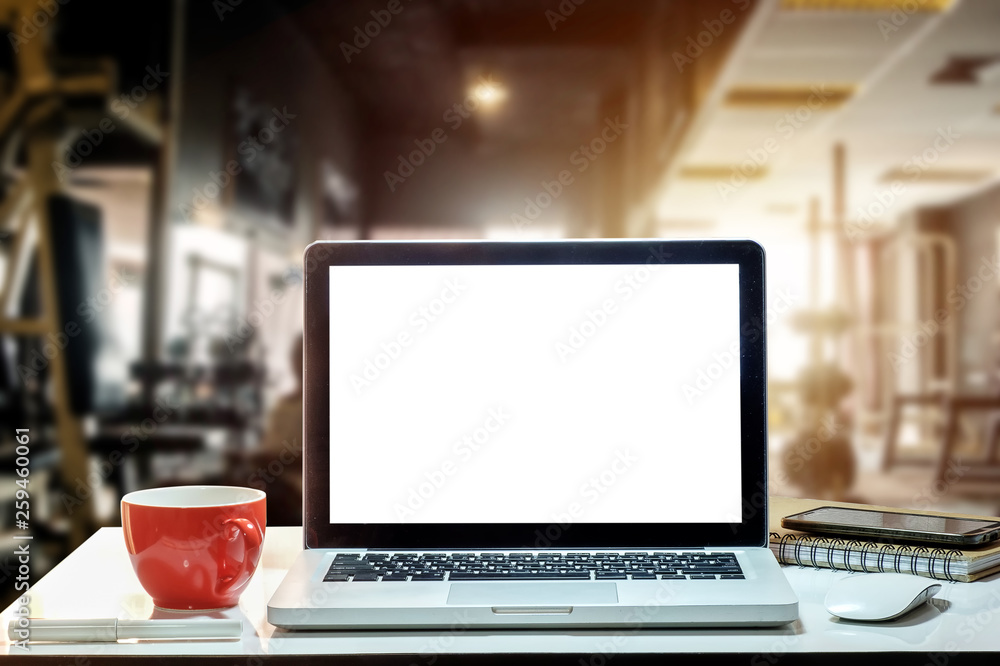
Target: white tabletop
x: 97, y: 581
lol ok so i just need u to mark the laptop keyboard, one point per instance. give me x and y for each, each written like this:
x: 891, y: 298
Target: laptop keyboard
x: 399, y: 567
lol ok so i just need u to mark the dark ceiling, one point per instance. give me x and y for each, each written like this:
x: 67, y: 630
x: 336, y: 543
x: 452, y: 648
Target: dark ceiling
x: 431, y: 53
x: 563, y: 72
x: 565, y: 65
x: 557, y: 66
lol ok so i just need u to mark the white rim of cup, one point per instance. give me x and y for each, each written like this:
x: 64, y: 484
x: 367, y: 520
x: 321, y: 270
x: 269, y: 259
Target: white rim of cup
x: 135, y: 497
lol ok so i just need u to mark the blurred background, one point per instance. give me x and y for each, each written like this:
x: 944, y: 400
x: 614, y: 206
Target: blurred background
x: 164, y: 164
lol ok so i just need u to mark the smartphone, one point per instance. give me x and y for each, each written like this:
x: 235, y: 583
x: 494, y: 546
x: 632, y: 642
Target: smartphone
x: 892, y: 526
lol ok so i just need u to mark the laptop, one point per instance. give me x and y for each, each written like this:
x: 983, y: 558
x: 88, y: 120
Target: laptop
x: 564, y: 434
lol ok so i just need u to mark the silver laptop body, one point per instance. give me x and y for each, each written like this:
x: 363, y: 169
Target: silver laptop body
x: 529, y: 434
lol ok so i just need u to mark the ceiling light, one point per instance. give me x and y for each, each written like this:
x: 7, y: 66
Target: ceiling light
x: 938, y: 175
x: 489, y: 93
x: 720, y: 172
x: 814, y: 97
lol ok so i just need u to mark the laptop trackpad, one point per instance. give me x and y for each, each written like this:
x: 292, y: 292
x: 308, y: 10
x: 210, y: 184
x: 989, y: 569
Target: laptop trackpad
x: 532, y: 594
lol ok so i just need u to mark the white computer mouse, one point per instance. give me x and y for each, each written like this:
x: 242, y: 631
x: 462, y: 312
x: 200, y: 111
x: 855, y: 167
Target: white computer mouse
x: 877, y: 597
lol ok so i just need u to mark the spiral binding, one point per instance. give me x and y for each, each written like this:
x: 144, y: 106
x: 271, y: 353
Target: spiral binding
x: 791, y: 549
x: 868, y: 545
x: 848, y: 552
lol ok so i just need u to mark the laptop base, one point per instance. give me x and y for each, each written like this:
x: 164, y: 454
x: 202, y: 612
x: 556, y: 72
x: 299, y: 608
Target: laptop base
x: 304, y: 601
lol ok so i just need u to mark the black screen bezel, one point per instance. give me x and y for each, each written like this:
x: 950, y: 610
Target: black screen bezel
x: 320, y: 533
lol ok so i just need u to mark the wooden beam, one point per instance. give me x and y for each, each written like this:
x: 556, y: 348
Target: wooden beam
x: 158, y: 236
x: 24, y: 326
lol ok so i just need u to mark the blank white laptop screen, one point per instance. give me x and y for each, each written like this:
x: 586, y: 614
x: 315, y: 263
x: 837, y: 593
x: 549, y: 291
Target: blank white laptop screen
x: 534, y: 394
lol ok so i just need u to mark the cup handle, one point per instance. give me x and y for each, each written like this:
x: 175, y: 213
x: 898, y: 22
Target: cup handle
x: 252, y: 540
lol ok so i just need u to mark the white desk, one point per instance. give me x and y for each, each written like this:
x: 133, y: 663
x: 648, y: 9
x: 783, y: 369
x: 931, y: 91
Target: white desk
x: 97, y: 581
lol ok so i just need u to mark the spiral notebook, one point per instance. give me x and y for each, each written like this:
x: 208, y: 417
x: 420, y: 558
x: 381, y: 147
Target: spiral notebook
x: 791, y: 547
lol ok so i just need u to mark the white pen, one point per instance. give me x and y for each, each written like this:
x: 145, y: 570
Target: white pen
x: 113, y: 629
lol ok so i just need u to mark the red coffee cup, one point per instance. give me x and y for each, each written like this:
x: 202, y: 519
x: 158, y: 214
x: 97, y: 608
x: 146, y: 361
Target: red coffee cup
x: 194, y: 547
